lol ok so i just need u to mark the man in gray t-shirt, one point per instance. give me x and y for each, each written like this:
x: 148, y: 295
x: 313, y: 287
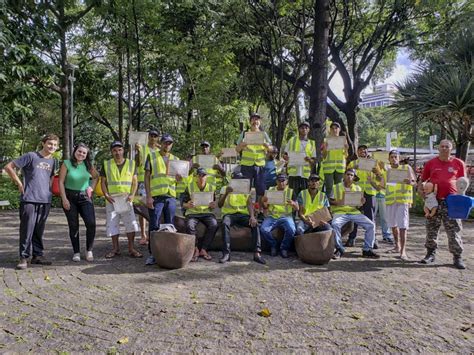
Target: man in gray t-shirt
x: 35, y: 200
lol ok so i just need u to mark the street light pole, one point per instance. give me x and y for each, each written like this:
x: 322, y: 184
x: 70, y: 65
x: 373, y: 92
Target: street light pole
x: 72, y: 79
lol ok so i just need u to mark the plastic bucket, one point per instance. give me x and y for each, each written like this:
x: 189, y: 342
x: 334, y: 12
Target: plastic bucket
x: 459, y: 206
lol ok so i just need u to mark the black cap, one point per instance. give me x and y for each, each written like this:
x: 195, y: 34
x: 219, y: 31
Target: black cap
x: 254, y: 114
x: 334, y: 123
x: 314, y: 177
x: 393, y: 151
x: 351, y: 171
x: 153, y: 131
x: 282, y: 177
x: 362, y: 146
x: 116, y: 144
x: 237, y: 175
x: 201, y: 171
x: 203, y: 143
x: 304, y: 123
x: 166, y: 138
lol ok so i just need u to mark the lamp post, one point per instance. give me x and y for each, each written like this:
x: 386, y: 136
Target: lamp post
x: 72, y: 79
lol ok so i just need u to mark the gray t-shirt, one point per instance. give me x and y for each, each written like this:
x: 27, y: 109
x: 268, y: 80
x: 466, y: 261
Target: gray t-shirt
x: 37, y: 172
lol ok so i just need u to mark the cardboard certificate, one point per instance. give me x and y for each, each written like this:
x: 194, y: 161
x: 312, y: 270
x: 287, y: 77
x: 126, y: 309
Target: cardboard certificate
x: 275, y: 197
x: 254, y: 138
x: 321, y: 215
x: 121, y: 205
x: 297, y: 159
x: 134, y: 138
x: 240, y: 186
x: 335, y: 143
x: 206, y: 161
x: 353, y: 198
x: 366, y: 164
x: 178, y: 167
x: 381, y: 156
x: 202, y: 198
x: 228, y: 153
x: 397, y: 176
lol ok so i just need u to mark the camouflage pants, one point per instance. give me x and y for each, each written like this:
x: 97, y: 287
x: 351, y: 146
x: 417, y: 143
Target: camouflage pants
x: 453, y: 228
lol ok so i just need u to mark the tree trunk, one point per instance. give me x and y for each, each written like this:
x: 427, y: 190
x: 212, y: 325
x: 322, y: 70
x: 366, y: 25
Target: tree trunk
x: 189, y: 117
x: 139, y: 69
x: 352, y: 130
x: 120, y: 95
x: 64, y: 91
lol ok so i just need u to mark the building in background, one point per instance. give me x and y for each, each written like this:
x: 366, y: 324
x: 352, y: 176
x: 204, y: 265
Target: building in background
x: 383, y: 95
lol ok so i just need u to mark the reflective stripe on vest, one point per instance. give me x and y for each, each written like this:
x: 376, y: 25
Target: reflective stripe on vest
x: 235, y: 203
x: 311, y: 205
x: 335, y: 161
x: 192, y: 188
x: 119, y: 181
x: 363, y: 181
x: 212, y: 174
x: 277, y: 211
x: 399, y: 193
x: 141, y: 168
x: 338, y: 195
x: 294, y: 145
x: 160, y: 183
x: 253, y: 155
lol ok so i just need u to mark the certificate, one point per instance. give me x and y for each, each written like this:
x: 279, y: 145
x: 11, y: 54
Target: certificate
x: 353, y: 198
x: 228, y: 153
x: 397, y: 176
x: 275, y: 197
x: 202, y: 198
x: 206, y: 161
x: 137, y: 138
x: 297, y: 159
x: 240, y: 186
x: 321, y: 215
x: 381, y: 156
x: 121, y: 205
x: 178, y: 167
x: 366, y: 164
x: 335, y: 143
x: 254, y: 138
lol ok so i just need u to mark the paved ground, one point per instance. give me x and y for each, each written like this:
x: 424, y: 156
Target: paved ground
x: 352, y: 304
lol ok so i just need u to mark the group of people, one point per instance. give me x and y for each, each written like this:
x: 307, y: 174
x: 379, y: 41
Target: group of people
x: 304, y: 188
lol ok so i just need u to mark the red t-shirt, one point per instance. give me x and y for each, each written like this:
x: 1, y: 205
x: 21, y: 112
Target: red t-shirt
x: 444, y: 174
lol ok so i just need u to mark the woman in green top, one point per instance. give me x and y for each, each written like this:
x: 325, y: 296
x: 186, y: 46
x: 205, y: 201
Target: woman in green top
x: 76, y: 196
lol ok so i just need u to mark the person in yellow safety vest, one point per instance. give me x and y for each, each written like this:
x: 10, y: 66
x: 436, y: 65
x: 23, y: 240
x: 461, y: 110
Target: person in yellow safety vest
x: 343, y: 213
x: 196, y: 213
x: 216, y: 173
x: 119, y: 177
x: 369, y: 190
x: 299, y: 174
x: 280, y: 216
x: 160, y: 188
x: 334, y: 161
x: 237, y: 210
x: 399, y: 197
x: 253, y: 156
x: 141, y: 154
x: 310, y: 201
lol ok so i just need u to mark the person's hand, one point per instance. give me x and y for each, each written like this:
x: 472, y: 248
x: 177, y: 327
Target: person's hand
x: 362, y: 201
x: 311, y: 223
x: 130, y: 197
x: 212, y: 204
x: 285, y: 157
x: 253, y: 222
x: 307, y: 159
x: 191, y: 204
x: 21, y: 188
x: 242, y: 145
x: 178, y: 177
x: 228, y: 190
x: 138, y: 147
x: 407, y: 181
x: 109, y: 198
x: 292, y: 203
x: 89, y: 192
x: 267, y: 146
x: 149, y: 202
x: 66, y: 204
x: 216, y: 167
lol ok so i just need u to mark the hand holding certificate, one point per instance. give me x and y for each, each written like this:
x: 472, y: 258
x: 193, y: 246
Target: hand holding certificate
x: 202, y: 198
x: 297, y: 159
x: 275, y: 197
x: 121, y: 203
x: 397, y: 176
x: 178, y: 167
x: 254, y: 138
x: 336, y: 143
x: 206, y: 161
x: 366, y: 164
x: 353, y: 198
x: 321, y: 215
x: 240, y: 186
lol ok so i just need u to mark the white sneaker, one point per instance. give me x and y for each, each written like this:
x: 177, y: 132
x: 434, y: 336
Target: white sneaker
x: 89, y: 255
x: 76, y: 257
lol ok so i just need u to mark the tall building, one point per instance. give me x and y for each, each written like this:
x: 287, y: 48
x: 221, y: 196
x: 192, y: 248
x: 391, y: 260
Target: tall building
x: 383, y: 95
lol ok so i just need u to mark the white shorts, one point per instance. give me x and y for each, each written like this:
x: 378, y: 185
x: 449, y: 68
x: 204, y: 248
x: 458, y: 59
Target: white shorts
x: 398, y: 215
x: 113, y: 221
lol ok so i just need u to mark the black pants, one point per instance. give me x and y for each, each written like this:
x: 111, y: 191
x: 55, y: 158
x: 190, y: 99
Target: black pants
x: 240, y: 220
x: 32, y: 222
x: 368, y: 209
x: 297, y: 183
x: 81, y: 205
x: 210, y: 222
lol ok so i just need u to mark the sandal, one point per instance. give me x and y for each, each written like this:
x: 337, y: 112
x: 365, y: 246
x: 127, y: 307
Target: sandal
x: 135, y: 254
x: 195, y: 258
x: 206, y: 256
x: 112, y: 254
x: 143, y: 241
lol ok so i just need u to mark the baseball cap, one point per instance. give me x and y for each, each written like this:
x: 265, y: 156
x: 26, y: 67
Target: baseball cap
x: 335, y: 124
x: 116, y: 144
x: 304, y: 123
x: 282, y: 177
x: 254, y: 114
x: 166, y: 138
x: 314, y: 177
x: 205, y: 143
x: 201, y: 171
x: 362, y: 146
x: 351, y: 171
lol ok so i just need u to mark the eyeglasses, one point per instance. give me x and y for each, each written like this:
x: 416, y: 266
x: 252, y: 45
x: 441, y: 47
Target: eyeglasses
x: 153, y: 135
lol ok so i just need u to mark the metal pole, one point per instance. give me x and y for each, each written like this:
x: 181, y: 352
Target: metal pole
x: 72, y: 79
x: 414, y: 141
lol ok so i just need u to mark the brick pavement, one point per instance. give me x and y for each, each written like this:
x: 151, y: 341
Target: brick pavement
x: 119, y: 305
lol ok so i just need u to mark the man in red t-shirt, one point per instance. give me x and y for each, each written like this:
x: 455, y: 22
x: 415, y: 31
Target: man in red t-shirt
x: 443, y: 171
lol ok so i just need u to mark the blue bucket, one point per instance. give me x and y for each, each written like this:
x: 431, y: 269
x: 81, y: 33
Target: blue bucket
x: 459, y: 206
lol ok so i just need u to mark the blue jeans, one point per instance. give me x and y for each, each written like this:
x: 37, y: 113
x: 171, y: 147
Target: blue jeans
x: 380, y: 208
x: 302, y: 228
x: 340, y: 219
x: 369, y: 211
x: 288, y: 226
x: 165, y: 205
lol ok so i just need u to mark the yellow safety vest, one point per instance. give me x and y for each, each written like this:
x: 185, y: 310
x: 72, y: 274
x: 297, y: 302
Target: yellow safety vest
x: 294, y: 145
x: 335, y: 161
x: 311, y: 205
x: 119, y: 181
x: 212, y: 174
x: 235, y: 203
x: 144, y: 152
x: 183, y: 184
x: 277, y: 211
x: 253, y: 155
x: 339, y: 190
x: 192, y: 188
x: 399, y: 193
x: 363, y: 182
x: 160, y: 183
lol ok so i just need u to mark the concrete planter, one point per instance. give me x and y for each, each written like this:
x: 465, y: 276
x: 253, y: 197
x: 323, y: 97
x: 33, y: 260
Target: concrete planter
x: 172, y: 250
x: 315, y: 248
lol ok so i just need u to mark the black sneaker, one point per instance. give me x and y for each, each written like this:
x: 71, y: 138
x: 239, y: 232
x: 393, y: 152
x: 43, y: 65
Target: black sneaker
x: 370, y: 254
x: 458, y: 263
x: 429, y: 257
x: 337, y: 255
x: 23, y: 264
x: 225, y: 258
x: 40, y: 260
x: 376, y: 246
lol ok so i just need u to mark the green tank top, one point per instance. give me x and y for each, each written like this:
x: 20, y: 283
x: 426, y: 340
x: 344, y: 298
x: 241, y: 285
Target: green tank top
x: 77, y: 178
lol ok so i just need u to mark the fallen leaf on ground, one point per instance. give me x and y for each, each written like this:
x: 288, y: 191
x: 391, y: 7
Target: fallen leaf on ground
x: 357, y: 316
x: 123, y: 340
x: 47, y: 278
x: 448, y: 294
x: 265, y: 313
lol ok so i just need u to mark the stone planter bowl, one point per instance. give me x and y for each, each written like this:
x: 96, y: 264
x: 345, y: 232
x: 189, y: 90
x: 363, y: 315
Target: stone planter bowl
x: 315, y: 248
x: 172, y: 250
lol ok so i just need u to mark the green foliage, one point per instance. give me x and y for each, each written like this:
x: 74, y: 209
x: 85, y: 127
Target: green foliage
x: 9, y: 192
